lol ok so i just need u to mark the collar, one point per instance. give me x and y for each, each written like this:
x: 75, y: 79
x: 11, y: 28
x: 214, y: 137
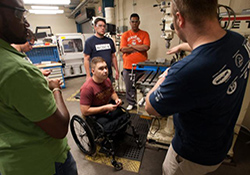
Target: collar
x: 6, y: 46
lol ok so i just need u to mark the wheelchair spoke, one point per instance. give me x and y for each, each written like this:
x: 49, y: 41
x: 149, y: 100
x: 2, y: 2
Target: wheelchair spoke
x: 86, y: 143
x: 82, y: 135
x: 79, y: 130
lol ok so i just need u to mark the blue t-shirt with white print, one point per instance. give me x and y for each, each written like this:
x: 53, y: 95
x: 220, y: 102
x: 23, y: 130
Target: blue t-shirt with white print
x: 103, y: 47
x: 205, y: 91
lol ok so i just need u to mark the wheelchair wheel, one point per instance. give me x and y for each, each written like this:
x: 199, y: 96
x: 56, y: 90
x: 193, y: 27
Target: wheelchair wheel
x: 82, y: 135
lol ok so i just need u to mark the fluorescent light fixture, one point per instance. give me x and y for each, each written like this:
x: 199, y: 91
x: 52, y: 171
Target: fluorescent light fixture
x: 51, y: 12
x: 48, y: 2
x: 45, y: 7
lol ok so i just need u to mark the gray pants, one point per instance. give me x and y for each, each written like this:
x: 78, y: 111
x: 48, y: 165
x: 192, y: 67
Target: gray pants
x: 130, y: 90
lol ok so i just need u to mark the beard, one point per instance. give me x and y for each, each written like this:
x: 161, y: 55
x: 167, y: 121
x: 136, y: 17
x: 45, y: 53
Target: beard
x: 100, y: 34
x: 15, y: 37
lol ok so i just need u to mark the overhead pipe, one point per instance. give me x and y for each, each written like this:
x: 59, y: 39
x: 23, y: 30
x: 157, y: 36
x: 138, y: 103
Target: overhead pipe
x: 78, y: 8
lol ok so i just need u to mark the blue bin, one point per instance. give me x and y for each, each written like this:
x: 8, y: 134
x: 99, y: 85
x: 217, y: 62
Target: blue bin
x: 39, y: 54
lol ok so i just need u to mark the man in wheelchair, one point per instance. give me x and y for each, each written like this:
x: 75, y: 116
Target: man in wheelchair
x: 103, y: 120
x: 96, y: 94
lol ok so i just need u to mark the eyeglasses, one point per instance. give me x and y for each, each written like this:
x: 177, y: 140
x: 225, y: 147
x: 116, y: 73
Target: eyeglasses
x: 101, y: 26
x: 20, y: 13
x: 31, y: 44
x: 134, y: 21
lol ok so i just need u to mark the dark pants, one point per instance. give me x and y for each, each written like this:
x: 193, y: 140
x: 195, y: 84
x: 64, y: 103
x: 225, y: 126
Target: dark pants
x: 130, y: 90
x: 113, y: 120
x: 68, y: 167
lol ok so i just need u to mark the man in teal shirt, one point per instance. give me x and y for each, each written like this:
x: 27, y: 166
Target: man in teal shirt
x: 33, y: 117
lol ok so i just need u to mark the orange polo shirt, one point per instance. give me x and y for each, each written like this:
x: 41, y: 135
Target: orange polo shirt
x: 130, y: 38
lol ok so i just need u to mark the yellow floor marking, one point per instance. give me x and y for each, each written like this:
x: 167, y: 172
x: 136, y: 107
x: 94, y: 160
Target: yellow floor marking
x: 129, y: 165
x: 72, y: 97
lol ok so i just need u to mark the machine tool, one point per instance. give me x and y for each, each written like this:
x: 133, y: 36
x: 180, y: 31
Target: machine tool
x: 167, y: 32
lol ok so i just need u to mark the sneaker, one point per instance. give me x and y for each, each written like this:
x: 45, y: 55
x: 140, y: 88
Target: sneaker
x: 130, y: 107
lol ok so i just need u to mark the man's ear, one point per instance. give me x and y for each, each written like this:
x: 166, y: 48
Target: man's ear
x: 180, y: 21
x: 92, y: 70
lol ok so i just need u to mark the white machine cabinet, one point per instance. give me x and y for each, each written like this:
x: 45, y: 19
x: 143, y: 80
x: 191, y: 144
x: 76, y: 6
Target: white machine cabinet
x: 71, y: 46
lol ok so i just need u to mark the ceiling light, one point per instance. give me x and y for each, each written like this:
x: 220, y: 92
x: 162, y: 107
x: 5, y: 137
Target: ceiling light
x: 45, y: 7
x: 46, y: 11
x: 48, y: 2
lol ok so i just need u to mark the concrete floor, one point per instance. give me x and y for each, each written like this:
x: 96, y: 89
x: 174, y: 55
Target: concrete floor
x: 153, y: 158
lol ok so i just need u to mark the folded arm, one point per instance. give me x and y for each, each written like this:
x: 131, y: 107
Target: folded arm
x: 56, y: 125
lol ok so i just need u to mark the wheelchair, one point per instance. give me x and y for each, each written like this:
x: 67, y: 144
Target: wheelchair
x: 88, y: 132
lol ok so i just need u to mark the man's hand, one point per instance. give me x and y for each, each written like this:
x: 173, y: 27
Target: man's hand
x: 118, y: 102
x: 46, y: 72
x: 54, y: 83
x: 178, y: 48
x: 110, y: 107
x: 116, y: 75
x: 88, y: 77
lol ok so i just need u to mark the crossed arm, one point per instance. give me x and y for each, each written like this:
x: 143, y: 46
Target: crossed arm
x: 135, y: 48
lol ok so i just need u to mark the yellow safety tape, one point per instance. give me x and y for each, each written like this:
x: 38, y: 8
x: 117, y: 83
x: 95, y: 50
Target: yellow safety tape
x: 72, y: 97
x: 129, y: 165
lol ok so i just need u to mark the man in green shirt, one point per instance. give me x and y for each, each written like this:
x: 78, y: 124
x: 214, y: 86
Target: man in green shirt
x: 33, y: 117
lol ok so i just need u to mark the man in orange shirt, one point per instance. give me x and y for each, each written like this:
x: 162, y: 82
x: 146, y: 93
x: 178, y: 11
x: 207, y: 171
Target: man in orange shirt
x: 134, y: 45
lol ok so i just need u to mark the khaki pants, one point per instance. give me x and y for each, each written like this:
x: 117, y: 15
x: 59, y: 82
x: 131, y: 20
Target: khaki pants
x: 177, y: 165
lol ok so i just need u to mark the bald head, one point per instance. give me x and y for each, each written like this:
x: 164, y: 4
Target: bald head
x: 13, y: 26
x: 13, y: 3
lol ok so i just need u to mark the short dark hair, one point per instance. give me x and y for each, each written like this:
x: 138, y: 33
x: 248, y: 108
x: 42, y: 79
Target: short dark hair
x: 134, y: 15
x: 99, y: 19
x: 196, y: 11
x: 96, y: 60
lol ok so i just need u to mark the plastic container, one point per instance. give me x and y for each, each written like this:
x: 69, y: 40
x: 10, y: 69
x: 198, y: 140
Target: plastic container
x: 110, y: 15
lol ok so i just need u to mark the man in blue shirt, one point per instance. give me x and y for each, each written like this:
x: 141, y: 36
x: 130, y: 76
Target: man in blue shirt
x: 100, y: 46
x: 204, y: 91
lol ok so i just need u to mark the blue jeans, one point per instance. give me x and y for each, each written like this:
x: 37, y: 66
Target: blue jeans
x: 68, y: 167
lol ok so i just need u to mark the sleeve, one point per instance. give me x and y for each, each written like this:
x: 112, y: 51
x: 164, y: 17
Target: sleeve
x: 146, y: 40
x: 86, y: 96
x: 28, y: 93
x: 124, y: 40
x: 87, y: 47
x: 171, y: 97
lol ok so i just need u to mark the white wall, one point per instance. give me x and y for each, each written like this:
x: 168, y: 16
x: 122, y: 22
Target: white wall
x: 59, y: 23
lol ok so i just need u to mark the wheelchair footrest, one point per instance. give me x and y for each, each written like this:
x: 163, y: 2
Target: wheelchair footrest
x: 117, y: 165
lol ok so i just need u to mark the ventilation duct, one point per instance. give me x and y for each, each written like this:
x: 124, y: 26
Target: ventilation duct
x: 86, y: 15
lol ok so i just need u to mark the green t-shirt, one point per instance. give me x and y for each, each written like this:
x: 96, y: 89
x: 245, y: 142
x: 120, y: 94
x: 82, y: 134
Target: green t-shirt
x: 25, y: 149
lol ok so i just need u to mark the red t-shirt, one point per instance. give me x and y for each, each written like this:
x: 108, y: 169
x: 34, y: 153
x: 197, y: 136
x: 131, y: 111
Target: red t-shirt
x: 96, y: 94
x: 130, y: 38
